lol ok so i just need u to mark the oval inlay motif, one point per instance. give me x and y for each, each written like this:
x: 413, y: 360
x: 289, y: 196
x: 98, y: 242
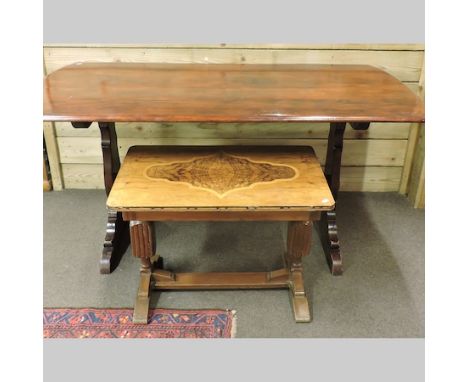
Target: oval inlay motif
x: 220, y: 172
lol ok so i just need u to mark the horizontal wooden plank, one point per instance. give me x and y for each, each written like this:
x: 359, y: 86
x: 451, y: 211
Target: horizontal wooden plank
x: 370, y: 179
x: 404, y: 65
x: 83, y: 176
x: 236, y: 130
x: 356, y: 152
x: 419, y: 47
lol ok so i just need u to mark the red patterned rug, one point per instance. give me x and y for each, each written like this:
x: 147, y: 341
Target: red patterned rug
x: 117, y: 323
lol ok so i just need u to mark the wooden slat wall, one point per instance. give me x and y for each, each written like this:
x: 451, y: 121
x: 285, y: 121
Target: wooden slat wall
x: 52, y: 148
x: 416, y: 182
x: 416, y: 178
x: 373, y: 160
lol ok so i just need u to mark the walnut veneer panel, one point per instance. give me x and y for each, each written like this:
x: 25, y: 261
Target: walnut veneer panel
x: 223, y: 177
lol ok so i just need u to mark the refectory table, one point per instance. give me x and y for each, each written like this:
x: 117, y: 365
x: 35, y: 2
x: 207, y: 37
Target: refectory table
x: 107, y: 93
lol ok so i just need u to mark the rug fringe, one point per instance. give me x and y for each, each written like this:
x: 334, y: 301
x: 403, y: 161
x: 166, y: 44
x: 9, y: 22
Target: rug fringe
x: 234, y: 324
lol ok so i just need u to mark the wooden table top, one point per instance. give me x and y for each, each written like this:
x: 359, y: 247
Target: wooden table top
x: 131, y: 92
x: 220, y: 178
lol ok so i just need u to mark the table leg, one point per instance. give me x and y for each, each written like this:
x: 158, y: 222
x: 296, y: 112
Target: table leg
x: 328, y: 226
x: 116, y: 242
x: 143, y: 246
x: 299, y: 244
x: 117, y: 237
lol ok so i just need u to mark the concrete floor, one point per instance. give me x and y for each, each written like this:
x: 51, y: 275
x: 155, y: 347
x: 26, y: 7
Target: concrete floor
x: 381, y: 293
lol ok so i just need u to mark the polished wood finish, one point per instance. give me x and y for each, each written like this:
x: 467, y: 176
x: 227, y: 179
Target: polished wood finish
x: 360, y: 125
x: 116, y: 240
x: 204, y: 169
x: 217, y: 172
x: 299, y: 245
x: 143, y: 240
x: 254, y: 178
x: 333, y: 161
x: 329, y: 228
x: 331, y: 242
x: 222, y: 280
x: 220, y: 215
x: 143, y: 247
x: 291, y: 276
x: 81, y: 125
x: 110, y: 153
x: 114, y: 92
x: 141, y: 308
x: 153, y: 277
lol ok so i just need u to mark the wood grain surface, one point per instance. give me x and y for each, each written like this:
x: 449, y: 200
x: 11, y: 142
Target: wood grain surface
x: 124, y: 92
x: 224, y: 178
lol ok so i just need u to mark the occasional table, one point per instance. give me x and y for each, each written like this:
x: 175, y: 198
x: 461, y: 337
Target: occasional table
x: 222, y: 183
x: 107, y: 93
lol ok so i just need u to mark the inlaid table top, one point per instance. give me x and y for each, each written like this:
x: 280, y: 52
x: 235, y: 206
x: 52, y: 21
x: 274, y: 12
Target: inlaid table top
x: 131, y: 92
x: 220, y: 178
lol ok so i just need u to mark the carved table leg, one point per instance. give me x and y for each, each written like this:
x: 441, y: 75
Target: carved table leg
x: 143, y: 246
x: 115, y: 242
x: 117, y: 238
x: 299, y: 244
x: 328, y: 226
x: 330, y: 242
